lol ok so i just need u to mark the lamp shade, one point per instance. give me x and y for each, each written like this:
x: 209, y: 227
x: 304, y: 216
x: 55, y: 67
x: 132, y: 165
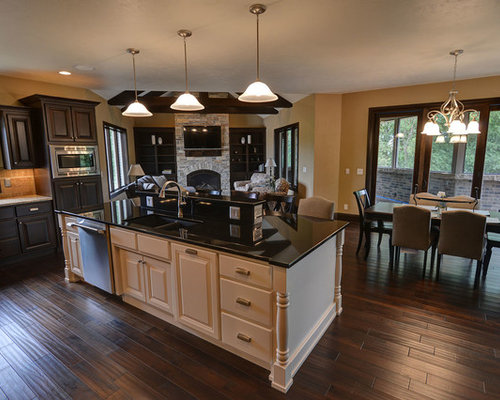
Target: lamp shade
x: 455, y: 139
x: 136, y: 109
x: 187, y: 102
x: 431, y: 129
x: 400, y: 135
x: 135, y: 170
x: 257, y: 92
x: 473, y: 128
x: 270, y: 163
x: 440, y: 139
x: 463, y: 139
x: 457, y: 127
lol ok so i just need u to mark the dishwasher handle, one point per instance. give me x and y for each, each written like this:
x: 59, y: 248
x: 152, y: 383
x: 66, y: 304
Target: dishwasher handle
x: 89, y: 228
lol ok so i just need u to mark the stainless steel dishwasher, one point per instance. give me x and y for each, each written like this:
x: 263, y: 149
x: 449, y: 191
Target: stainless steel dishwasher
x: 97, y: 267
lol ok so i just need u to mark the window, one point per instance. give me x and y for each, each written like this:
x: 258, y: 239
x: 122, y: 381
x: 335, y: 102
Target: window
x: 116, y: 156
x: 396, y: 156
x: 286, y: 148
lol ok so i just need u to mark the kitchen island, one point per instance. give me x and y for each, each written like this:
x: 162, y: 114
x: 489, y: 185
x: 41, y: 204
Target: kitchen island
x: 266, y: 292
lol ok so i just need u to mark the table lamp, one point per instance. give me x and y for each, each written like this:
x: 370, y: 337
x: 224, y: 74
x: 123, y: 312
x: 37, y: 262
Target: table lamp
x: 270, y: 163
x: 135, y: 170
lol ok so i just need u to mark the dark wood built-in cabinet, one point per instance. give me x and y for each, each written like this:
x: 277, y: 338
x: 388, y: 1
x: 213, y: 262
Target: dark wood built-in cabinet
x: 154, y: 157
x: 27, y: 229
x: 17, y: 138
x: 246, y: 157
x: 78, y: 194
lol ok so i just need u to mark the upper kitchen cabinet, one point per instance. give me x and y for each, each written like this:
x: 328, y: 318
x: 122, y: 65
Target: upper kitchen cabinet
x: 17, y: 138
x: 65, y: 120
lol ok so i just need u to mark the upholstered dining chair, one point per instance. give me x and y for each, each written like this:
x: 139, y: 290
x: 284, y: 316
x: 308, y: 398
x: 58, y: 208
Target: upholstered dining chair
x: 411, y: 229
x: 462, y: 234
x: 381, y: 227
x: 466, y: 202
x: 317, y: 207
x: 424, y: 199
x: 492, y: 240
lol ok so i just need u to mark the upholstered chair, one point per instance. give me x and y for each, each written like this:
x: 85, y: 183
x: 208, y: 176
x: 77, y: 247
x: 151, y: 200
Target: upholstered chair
x: 317, y: 207
x: 424, y: 199
x: 411, y: 229
x: 462, y: 234
x: 466, y: 202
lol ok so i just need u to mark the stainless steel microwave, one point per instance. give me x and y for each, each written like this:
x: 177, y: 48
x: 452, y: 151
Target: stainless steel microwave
x: 74, y: 160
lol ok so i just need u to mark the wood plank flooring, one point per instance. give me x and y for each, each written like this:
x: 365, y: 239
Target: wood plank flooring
x: 400, y: 337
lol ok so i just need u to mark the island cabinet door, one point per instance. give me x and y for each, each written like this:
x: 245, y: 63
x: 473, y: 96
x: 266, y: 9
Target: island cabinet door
x: 132, y: 274
x: 75, y: 255
x: 197, y: 290
x: 158, y: 284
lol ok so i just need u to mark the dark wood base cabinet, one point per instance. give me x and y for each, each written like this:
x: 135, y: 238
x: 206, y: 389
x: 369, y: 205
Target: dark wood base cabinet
x: 78, y: 194
x: 26, y: 230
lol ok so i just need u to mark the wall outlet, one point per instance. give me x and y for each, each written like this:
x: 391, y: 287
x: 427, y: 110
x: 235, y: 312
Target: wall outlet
x: 346, y: 206
x: 304, y: 169
x: 347, y: 171
x: 359, y: 171
x: 6, y: 182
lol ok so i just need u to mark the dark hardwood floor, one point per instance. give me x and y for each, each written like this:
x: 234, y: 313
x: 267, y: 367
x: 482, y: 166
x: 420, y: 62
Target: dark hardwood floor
x: 400, y: 337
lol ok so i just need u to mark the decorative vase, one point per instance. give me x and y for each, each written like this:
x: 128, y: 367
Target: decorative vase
x: 242, y: 140
x: 249, y: 139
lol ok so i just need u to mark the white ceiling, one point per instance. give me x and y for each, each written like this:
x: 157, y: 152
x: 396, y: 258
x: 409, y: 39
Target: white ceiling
x: 313, y: 46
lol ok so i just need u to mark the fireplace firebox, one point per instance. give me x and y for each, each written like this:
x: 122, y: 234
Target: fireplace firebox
x: 204, y: 180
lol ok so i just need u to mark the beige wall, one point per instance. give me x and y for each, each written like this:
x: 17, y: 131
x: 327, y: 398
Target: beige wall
x: 302, y: 112
x: 355, y: 122
x: 12, y: 89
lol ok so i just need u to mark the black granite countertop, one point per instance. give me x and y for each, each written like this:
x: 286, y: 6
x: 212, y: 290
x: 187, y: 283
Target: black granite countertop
x: 278, y: 240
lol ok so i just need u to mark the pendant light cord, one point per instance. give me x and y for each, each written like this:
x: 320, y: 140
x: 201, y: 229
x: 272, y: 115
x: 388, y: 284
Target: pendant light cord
x: 258, y: 58
x: 454, y: 72
x: 135, y: 85
x: 185, y: 64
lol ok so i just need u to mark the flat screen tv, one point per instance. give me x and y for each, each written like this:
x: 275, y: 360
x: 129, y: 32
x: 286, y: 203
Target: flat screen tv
x: 202, y: 137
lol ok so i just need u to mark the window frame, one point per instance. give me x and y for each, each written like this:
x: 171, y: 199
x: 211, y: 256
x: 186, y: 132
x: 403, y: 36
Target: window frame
x: 279, y: 138
x: 108, y: 127
x: 423, y: 145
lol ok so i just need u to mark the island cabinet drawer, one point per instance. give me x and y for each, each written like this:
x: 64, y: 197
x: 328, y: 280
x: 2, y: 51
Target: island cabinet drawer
x: 7, y: 212
x: 246, y: 301
x: 123, y: 238
x: 153, y: 246
x: 247, y: 337
x: 246, y: 271
x: 33, y: 208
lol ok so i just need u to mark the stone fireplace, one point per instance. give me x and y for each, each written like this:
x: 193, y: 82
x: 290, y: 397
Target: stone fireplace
x: 204, y: 180
x: 217, y: 164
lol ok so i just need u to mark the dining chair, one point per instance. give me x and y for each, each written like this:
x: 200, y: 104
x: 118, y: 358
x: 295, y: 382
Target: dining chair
x: 317, y: 207
x: 424, y: 199
x: 492, y: 241
x: 381, y: 227
x: 411, y: 229
x: 462, y: 234
x: 466, y: 202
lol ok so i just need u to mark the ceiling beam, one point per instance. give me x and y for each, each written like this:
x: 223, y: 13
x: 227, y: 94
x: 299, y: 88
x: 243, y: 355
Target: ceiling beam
x: 215, y: 110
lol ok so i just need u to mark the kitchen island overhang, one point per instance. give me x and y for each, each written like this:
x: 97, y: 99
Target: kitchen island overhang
x: 268, y: 302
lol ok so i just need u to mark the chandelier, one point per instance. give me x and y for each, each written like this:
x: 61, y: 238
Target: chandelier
x: 453, y: 112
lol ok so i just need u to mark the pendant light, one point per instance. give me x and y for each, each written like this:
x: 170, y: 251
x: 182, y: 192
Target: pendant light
x: 258, y: 92
x: 136, y: 109
x: 454, y: 114
x: 186, y: 101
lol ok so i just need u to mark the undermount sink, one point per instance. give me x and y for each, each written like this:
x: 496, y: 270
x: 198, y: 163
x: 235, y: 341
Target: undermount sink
x: 158, y: 221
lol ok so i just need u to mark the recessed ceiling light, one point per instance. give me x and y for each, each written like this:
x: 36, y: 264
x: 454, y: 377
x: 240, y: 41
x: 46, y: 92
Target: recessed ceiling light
x: 82, y: 67
x: 64, y: 73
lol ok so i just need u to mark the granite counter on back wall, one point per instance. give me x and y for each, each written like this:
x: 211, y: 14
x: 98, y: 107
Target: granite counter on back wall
x: 284, y: 240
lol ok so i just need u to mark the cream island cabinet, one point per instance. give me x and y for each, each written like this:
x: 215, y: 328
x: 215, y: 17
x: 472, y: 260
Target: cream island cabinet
x: 270, y: 315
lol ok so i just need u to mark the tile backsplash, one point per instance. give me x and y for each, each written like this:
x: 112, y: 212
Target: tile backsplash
x: 22, y: 182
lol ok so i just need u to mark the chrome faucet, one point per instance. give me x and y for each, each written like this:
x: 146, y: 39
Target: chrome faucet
x: 180, y: 195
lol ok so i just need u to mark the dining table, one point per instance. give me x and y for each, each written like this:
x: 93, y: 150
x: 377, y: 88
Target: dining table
x: 384, y: 210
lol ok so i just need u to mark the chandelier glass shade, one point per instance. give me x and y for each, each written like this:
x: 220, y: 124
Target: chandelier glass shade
x: 186, y: 101
x: 454, y: 114
x: 136, y: 109
x: 258, y: 91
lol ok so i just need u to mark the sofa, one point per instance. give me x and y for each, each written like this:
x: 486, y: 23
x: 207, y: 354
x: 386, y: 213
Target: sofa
x: 262, y: 183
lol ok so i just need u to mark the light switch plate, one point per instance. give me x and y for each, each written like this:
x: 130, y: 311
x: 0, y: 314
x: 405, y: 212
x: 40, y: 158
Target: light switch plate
x: 7, y: 182
x: 346, y: 206
x: 304, y: 169
x: 359, y: 171
x: 347, y: 171
x: 149, y: 201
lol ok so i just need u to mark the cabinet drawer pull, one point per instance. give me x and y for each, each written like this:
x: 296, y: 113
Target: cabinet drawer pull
x: 242, y: 271
x: 243, y: 302
x: 193, y: 252
x: 34, y: 209
x: 244, y: 337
